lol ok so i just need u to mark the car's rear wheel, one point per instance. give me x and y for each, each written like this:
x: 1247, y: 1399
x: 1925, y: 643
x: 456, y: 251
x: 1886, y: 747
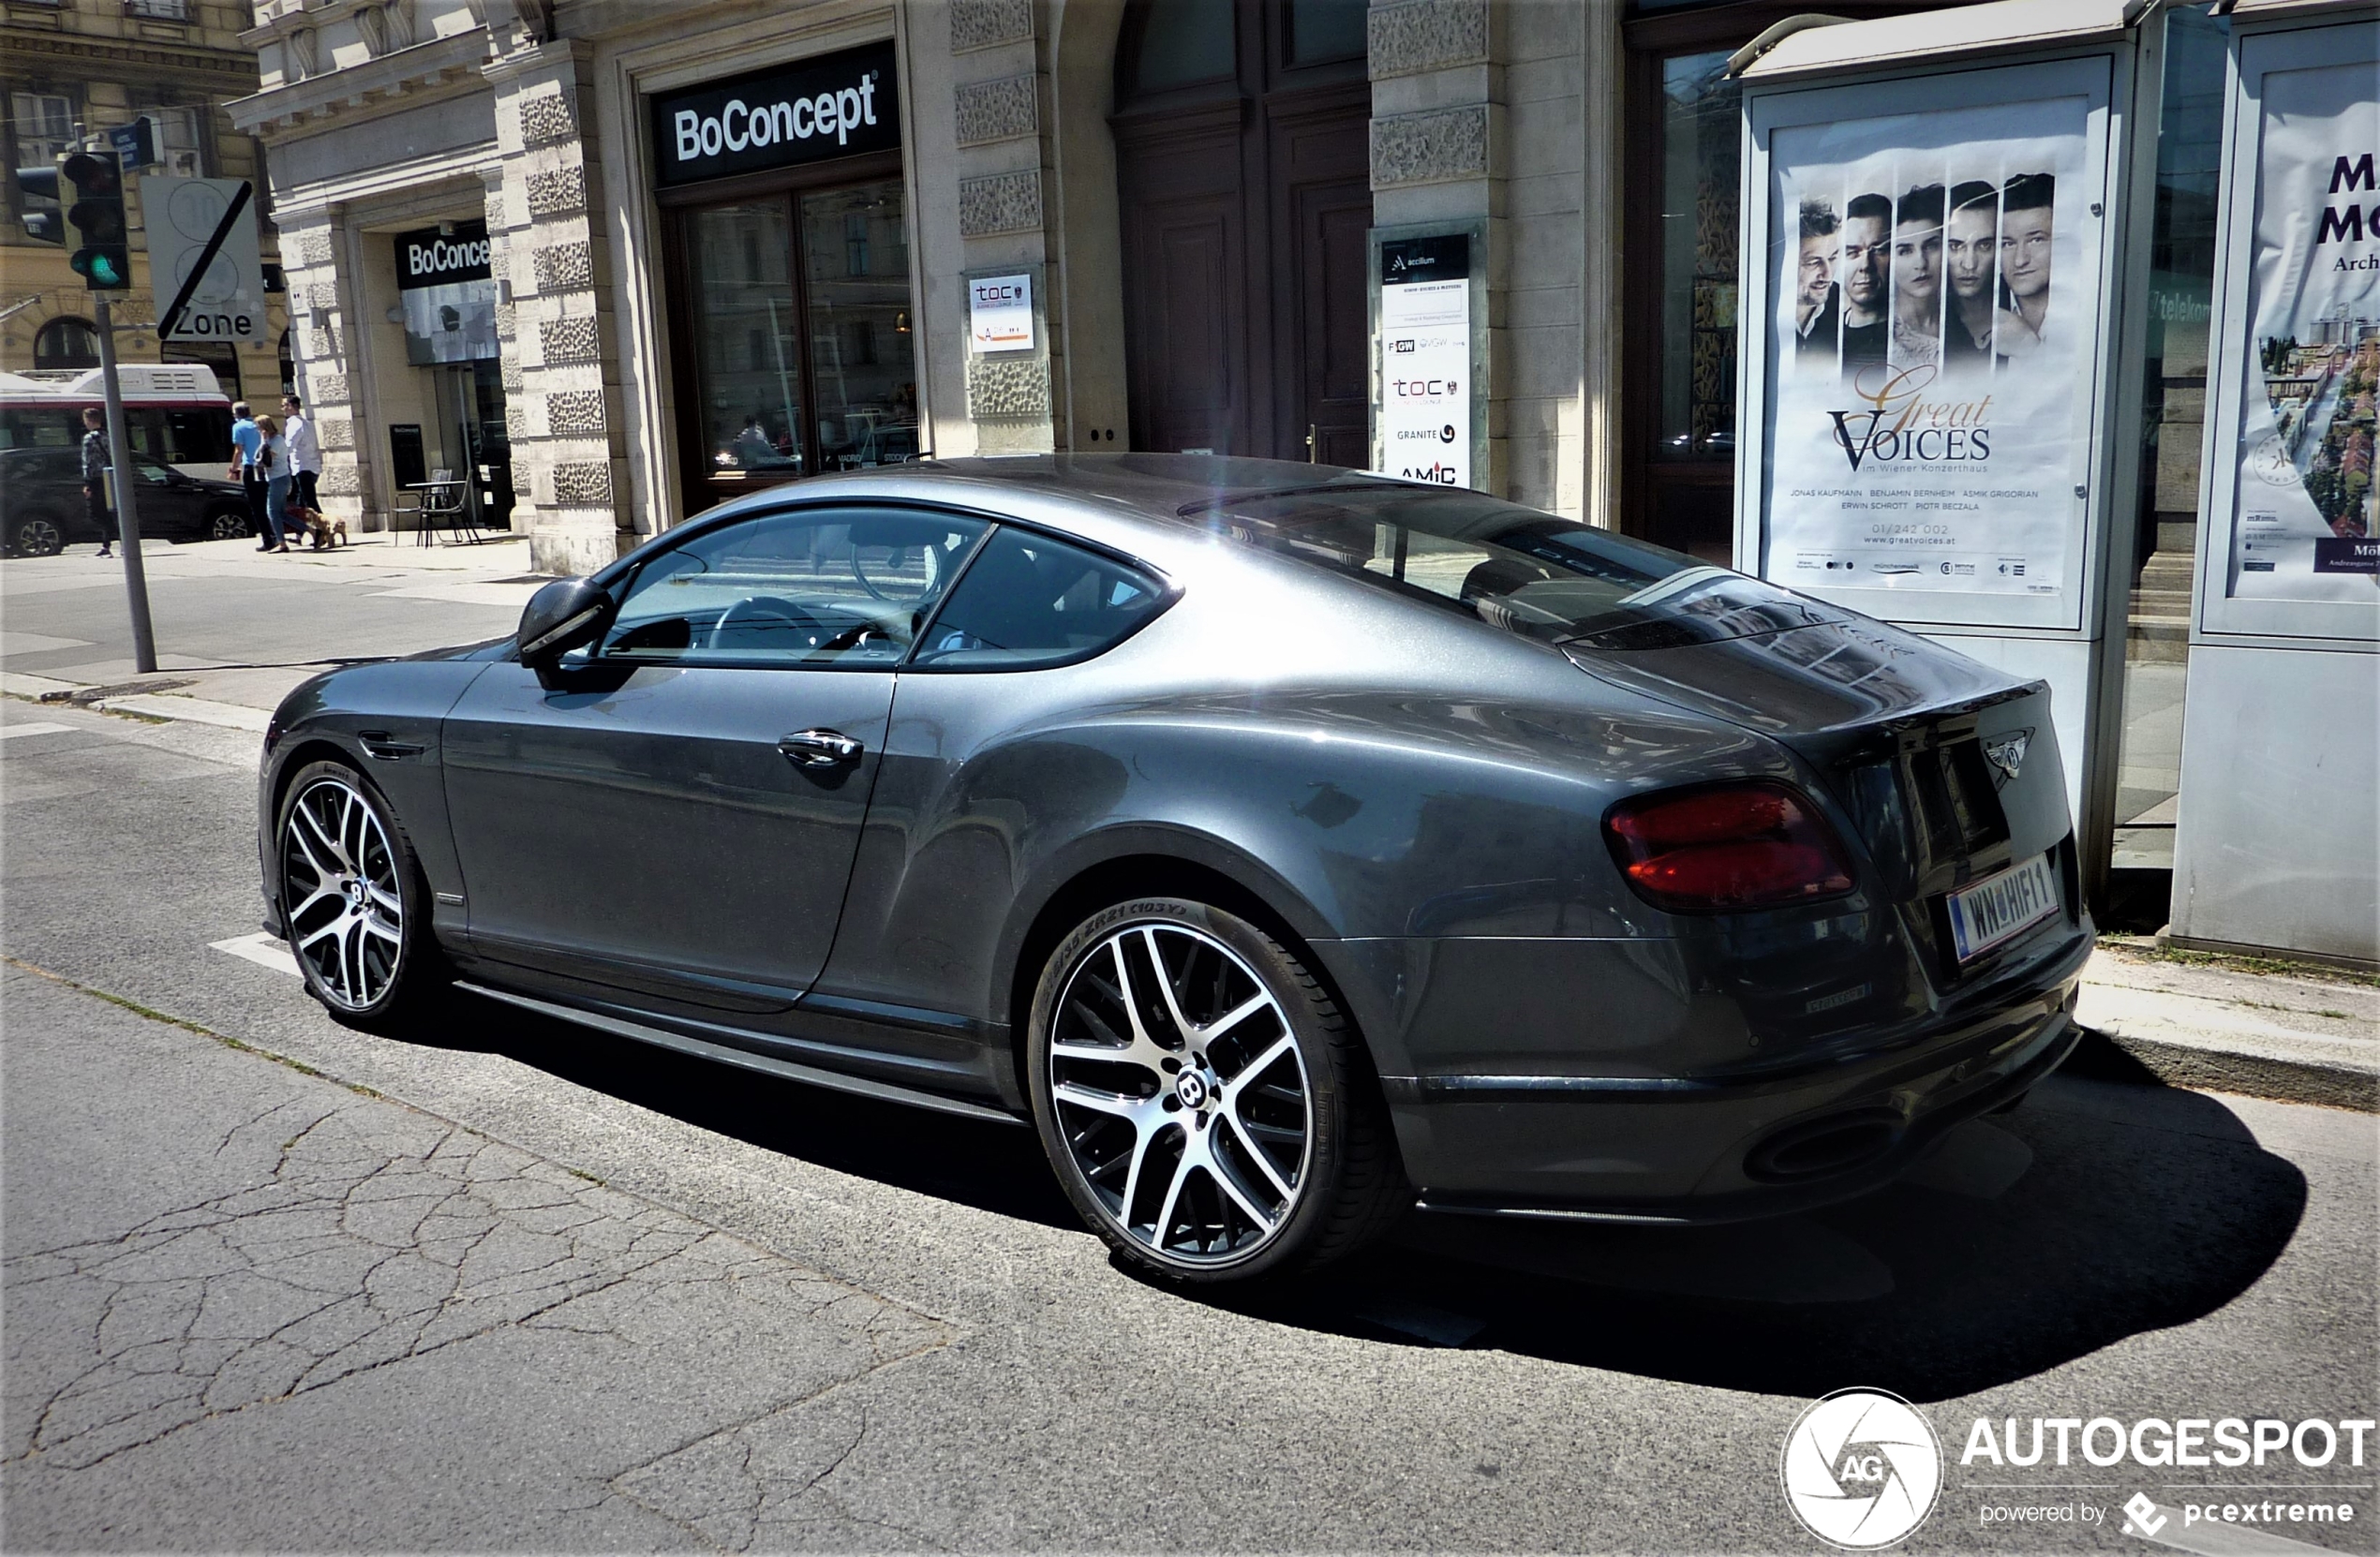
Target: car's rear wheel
x: 228, y: 523
x: 352, y: 900
x: 1209, y: 1109
x: 36, y: 535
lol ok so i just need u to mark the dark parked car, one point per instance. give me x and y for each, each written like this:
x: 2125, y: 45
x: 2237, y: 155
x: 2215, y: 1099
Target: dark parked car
x: 42, y: 509
x: 1285, y: 843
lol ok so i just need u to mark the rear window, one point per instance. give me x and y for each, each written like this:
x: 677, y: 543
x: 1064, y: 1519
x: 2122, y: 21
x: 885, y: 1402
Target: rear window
x: 1029, y: 600
x: 1515, y: 568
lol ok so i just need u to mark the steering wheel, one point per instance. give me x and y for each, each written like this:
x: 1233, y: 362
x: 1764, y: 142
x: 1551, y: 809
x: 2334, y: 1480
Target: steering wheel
x: 893, y: 590
x: 769, y: 613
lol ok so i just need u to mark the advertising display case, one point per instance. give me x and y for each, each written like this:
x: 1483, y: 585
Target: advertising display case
x: 2278, y: 844
x: 1938, y: 242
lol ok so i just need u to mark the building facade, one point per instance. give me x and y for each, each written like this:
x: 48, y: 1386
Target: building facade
x: 72, y: 71
x: 688, y: 286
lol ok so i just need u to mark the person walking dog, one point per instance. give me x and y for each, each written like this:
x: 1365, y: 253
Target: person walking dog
x: 273, y: 463
x: 306, y: 453
x: 96, y: 462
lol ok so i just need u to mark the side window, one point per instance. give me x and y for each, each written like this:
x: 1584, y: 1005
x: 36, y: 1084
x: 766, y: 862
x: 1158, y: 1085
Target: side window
x: 823, y: 587
x: 1029, y: 600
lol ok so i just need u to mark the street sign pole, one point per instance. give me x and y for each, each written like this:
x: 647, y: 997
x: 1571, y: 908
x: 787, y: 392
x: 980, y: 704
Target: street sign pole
x: 124, y: 477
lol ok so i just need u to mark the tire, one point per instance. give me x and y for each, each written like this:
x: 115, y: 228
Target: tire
x: 361, y: 936
x: 36, y: 535
x: 228, y: 523
x: 1231, y: 1131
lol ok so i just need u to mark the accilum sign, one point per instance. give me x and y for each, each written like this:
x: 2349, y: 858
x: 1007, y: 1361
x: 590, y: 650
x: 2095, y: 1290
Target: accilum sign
x: 1425, y: 358
x: 835, y: 105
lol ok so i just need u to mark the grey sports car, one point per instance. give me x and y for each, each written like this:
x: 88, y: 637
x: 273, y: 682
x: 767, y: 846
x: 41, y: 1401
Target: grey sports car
x: 1288, y: 845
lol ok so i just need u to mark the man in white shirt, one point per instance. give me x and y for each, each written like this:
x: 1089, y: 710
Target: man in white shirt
x: 306, y: 451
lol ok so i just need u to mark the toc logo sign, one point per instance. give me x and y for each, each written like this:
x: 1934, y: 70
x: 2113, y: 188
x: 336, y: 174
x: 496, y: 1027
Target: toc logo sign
x: 1860, y: 1469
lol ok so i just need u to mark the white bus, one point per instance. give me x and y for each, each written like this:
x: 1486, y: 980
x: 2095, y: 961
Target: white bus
x: 173, y: 412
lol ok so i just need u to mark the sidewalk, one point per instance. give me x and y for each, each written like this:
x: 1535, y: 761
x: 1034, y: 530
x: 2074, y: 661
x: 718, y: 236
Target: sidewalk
x: 2294, y: 1031
x: 236, y: 628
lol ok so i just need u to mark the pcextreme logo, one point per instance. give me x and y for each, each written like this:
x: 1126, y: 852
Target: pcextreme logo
x: 1860, y: 1469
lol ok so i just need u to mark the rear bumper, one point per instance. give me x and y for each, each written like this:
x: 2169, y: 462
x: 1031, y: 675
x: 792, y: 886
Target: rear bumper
x: 1657, y: 1151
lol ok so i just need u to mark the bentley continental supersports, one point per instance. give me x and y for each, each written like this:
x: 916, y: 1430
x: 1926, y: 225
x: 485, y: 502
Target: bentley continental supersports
x: 1288, y: 846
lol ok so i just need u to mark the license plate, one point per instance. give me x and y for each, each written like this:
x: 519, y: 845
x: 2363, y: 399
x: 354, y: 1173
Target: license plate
x: 1991, y: 912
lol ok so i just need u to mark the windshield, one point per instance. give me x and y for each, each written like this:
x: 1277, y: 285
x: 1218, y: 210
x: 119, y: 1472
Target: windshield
x: 1515, y: 568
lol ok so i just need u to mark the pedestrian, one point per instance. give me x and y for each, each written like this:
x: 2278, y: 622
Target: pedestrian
x: 245, y: 440
x: 306, y: 451
x: 96, y: 463
x: 273, y: 463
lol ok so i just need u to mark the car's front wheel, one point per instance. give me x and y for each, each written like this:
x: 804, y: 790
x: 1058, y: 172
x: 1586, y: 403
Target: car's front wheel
x: 1209, y: 1109
x: 352, y: 900
x: 36, y: 535
x: 228, y: 523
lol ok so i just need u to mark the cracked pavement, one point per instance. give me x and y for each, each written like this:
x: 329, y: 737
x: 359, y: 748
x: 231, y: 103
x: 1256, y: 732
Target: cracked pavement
x: 332, y: 1249
x: 551, y: 1291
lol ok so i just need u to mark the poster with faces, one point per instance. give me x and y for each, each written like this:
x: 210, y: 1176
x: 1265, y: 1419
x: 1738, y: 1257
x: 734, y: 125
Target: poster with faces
x: 2308, y: 527
x: 1929, y: 385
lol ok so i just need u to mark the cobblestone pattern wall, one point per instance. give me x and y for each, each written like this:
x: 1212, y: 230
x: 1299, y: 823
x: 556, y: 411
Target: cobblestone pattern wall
x: 324, y: 301
x: 561, y: 375
x: 1000, y: 96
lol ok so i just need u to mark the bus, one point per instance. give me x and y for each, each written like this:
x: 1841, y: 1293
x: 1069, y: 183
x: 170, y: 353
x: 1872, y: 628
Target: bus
x: 173, y: 412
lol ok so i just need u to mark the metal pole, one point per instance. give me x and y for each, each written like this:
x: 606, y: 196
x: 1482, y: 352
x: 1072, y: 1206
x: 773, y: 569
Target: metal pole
x: 125, y: 474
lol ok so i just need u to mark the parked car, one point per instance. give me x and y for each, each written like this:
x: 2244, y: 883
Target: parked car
x: 1285, y: 844
x: 42, y: 509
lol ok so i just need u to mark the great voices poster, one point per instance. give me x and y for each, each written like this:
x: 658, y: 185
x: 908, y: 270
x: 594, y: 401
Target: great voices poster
x: 2306, y: 522
x: 1937, y: 286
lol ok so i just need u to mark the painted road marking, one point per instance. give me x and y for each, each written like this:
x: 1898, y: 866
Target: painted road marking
x: 263, y: 948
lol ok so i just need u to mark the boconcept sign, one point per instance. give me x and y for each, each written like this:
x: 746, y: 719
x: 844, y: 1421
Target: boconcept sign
x: 833, y: 106
x: 432, y: 256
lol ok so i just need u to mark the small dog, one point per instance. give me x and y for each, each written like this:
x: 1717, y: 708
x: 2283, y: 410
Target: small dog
x: 323, y: 532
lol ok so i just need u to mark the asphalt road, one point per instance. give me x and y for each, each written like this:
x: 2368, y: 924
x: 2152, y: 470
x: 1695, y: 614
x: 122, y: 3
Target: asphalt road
x: 513, y: 1286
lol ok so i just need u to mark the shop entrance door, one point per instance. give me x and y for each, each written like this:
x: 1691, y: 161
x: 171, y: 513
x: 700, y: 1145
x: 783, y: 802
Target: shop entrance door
x: 470, y: 439
x: 1244, y: 184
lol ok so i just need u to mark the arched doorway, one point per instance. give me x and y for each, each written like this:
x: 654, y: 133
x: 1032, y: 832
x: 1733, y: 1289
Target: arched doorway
x: 1243, y: 193
x: 66, y: 341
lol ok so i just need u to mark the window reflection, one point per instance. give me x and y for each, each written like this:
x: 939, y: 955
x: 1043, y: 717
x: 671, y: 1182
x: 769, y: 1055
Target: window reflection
x: 745, y: 314
x: 1700, y: 156
x: 861, y: 358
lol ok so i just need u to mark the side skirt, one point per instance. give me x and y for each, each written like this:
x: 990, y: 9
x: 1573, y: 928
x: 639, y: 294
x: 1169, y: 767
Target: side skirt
x: 811, y: 1075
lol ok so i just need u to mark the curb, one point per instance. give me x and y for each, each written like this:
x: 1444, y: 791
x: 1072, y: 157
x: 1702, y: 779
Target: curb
x: 2111, y: 1055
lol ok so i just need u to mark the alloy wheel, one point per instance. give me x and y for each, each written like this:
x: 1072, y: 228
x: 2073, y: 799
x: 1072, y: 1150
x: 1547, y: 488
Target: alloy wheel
x: 339, y: 874
x: 227, y: 526
x: 40, y: 538
x: 1182, y: 1094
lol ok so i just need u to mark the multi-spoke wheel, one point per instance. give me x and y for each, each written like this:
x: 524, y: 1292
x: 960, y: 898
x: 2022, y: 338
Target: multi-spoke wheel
x: 348, y: 895
x: 227, y: 524
x: 1205, y: 1104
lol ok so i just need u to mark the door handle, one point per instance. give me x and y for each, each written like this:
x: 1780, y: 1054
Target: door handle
x: 1313, y: 453
x: 820, y: 749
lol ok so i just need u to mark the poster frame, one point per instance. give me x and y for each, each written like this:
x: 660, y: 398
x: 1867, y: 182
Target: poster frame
x: 2257, y: 48
x: 1483, y: 478
x: 2105, y: 75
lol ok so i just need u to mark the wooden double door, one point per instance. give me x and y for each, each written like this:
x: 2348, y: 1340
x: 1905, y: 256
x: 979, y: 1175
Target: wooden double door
x: 1243, y: 221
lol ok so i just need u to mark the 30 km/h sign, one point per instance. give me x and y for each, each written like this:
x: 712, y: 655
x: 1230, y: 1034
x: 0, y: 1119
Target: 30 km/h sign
x: 203, y: 266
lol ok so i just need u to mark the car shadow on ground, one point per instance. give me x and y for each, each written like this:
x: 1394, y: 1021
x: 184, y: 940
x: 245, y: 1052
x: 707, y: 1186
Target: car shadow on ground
x: 2106, y: 1205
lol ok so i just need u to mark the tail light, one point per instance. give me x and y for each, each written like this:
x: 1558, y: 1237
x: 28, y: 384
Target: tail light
x: 1729, y: 846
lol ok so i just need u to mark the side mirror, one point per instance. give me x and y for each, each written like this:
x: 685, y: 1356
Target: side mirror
x: 559, y: 617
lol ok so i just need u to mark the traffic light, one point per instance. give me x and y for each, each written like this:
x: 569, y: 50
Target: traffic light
x: 43, y: 222
x: 104, y: 260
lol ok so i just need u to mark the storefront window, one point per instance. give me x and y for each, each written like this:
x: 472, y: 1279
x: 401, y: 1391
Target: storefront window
x: 860, y: 352
x: 745, y: 313
x: 1700, y: 123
